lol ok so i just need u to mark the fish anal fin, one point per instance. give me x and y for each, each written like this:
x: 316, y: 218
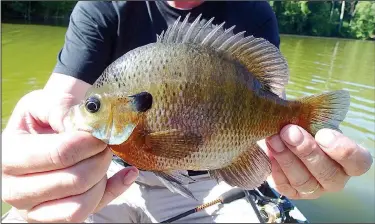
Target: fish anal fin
x: 248, y: 171
x: 173, y: 143
x: 174, y: 181
x: 260, y: 57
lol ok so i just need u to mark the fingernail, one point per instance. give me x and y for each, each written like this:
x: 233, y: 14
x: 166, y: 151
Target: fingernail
x: 325, y: 138
x: 292, y: 135
x: 130, y: 177
x: 276, y: 143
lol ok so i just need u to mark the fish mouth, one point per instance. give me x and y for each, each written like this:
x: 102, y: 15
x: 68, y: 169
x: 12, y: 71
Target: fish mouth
x: 73, y: 121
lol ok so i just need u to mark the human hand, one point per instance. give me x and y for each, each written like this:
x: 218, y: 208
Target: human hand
x: 55, y: 177
x: 304, y: 167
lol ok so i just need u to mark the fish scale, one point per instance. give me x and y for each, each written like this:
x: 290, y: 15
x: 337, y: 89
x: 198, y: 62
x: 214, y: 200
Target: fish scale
x: 199, y: 98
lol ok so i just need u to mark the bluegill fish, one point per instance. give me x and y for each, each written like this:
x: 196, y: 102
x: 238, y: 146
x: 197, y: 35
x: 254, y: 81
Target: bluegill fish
x: 199, y: 98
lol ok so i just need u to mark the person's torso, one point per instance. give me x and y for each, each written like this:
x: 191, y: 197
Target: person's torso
x: 139, y: 22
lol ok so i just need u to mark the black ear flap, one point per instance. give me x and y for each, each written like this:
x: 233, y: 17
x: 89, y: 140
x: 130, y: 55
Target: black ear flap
x: 142, y: 101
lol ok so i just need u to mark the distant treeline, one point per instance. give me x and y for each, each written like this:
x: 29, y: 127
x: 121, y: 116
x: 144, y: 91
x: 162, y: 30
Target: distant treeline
x: 36, y: 10
x: 349, y: 19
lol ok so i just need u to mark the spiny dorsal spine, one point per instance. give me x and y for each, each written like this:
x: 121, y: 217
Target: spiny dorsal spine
x: 259, y: 56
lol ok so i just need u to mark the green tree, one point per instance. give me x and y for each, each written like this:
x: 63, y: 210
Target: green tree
x: 363, y: 23
x: 292, y: 16
x: 37, y: 9
x: 320, y: 22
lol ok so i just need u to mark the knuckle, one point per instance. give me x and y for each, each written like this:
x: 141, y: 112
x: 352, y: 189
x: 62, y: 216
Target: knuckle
x: 79, y: 184
x: 287, y: 162
x: 347, y: 152
x: 328, y: 175
x: 301, y: 184
x: 66, y: 154
x: 286, y: 189
x: 282, y: 188
x: 333, y: 179
x: 308, y: 152
x: 111, y: 194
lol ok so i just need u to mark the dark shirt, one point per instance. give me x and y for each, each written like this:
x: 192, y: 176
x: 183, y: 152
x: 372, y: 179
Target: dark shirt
x: 101, y: 32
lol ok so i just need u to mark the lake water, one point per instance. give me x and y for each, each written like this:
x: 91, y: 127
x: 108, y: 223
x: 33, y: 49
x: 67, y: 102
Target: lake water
x: 316, y: 64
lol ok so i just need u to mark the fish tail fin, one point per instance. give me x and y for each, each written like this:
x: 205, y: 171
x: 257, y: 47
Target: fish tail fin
x: 326, y: 110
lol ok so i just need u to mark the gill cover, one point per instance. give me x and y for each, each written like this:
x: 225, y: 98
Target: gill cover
x: 117, y: 137
x: 126, y: 115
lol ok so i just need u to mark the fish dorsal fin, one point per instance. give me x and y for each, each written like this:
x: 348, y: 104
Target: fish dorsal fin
x: 261, y: 58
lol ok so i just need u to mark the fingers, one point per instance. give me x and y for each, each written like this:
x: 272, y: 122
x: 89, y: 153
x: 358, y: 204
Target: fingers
x: 25, y: 153
x: 116, y: 185
x: 16, y: 121
x: 77, y: 208
x: 56, y: 184
x: 280, y: 182
x: 297, y: 175
x: 326, y: 171
x: 354, y: 159
x: 43, y: 108
x: 71, y: 209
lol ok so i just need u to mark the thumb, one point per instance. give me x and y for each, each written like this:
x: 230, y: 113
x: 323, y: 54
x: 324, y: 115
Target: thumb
x: 58, y: 108
x: 116, y: 185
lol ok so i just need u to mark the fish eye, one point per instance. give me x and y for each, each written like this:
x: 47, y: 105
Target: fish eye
x: 92, y: 104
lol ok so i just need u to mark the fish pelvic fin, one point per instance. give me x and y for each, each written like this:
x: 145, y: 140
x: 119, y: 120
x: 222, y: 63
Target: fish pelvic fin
x: 326, y: 110
x: 174, y: 181
x: 261, y: 58
x: 248, y: 171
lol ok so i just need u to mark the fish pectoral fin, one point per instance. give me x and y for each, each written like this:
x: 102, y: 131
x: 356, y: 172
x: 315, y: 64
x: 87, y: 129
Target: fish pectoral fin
x: 174, y: 181
x: 248, y: 171
x: 173, y: 143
